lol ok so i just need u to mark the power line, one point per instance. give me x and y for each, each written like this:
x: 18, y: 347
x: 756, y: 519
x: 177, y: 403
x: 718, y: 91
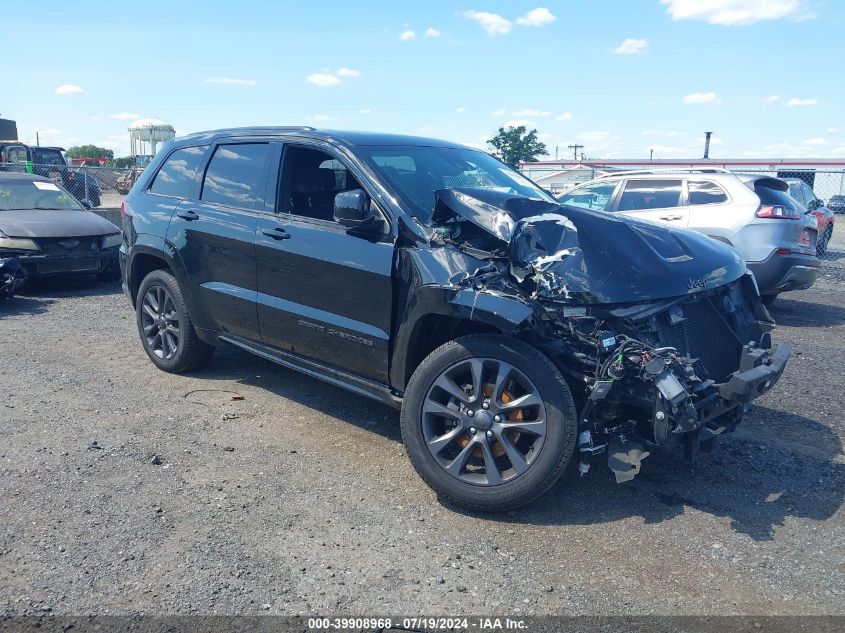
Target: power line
x: 575, y: 149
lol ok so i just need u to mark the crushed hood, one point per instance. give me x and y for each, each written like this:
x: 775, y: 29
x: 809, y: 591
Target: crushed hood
x: 578, y: 256
x: 47, y: 223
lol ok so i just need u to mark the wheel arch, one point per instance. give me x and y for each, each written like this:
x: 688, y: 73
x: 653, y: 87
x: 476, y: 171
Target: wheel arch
x: 440, y: 315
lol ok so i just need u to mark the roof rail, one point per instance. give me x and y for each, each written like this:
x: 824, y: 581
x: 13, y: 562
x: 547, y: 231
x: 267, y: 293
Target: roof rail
x: 668, y: 170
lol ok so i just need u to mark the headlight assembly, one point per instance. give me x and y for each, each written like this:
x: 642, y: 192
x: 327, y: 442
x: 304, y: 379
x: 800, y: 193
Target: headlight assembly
x: 111, y: 241
x: 17, y: 243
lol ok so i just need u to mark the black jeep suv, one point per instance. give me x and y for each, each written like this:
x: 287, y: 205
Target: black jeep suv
x: 512, y: 331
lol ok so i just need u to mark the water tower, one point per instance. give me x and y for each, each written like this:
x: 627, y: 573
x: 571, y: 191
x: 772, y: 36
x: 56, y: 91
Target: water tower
x: 146, y: 134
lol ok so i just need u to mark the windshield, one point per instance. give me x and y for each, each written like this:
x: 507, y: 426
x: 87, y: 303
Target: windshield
x: 416, y: 172
x: 37, y: 194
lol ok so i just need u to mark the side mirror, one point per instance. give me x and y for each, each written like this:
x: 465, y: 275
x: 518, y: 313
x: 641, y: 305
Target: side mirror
x: 351, y: 208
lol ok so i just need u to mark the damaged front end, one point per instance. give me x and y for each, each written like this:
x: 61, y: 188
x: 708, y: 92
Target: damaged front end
x: 659, y: 332
x: 12, y: 276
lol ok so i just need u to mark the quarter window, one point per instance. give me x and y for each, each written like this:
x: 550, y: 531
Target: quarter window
x: 235, y: 173
x: 641, y: 195
x: 703, y: 192
x: 179, y: 173
x: 595, y: 197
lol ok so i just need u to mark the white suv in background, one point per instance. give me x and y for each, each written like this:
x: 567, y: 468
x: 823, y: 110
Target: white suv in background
x: 751, y: 212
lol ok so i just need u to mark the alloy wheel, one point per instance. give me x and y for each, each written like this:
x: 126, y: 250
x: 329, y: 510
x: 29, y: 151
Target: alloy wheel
x: 160, y: 322
x: 484, y: 421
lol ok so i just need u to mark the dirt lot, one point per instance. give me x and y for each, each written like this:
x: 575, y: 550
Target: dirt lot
x: 298, y: 498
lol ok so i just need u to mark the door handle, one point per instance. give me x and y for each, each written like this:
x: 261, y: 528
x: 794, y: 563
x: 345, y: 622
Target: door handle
x: 188, y: 215
x: 671, y: 217
x: 277, y: 234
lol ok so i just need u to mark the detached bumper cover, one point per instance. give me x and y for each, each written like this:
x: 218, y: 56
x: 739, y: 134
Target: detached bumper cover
x: 759, y: 372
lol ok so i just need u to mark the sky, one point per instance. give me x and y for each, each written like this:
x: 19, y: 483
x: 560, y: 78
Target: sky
x: 620, y: 77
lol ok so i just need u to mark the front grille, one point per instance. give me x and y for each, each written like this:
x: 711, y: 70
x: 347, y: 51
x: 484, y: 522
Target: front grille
x: 706, y: 335
x: 69, y: 245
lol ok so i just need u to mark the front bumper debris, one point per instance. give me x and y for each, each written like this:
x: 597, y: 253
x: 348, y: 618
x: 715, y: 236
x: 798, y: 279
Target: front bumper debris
x: 687, y: 411
x: 12, y: 276
x: 758, y: 373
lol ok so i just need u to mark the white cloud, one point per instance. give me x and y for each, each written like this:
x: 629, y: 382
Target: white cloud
x: 737, y: 12
x: 407, y: 36
x: 326, y: 78
x: 519, y: 122
x: 118, y: 143
x: 365, y: 111
x: 631, y: 46
x: 461, y: 109
x: 323, y: 117
x: 801, y: 102
x: 702, y: 97
x: 323, y: 79
x: 815, y: 141
x: 838, y: 151
x: 832, y: 130
x: 492, y: 23
x: 772, y: 98
x: 565, y: 116
x: 125, y: 116
x: 530, y: 112
x: 230, y: 81
x: 498, y: 112
x: 68, y: 89
x: 540, y: 16
x: 432, y: 32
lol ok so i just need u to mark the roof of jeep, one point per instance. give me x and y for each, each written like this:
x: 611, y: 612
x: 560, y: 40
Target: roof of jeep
x: 343, y: 137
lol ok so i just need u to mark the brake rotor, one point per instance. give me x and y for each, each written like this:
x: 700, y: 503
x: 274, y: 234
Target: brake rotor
x: 513, y: 416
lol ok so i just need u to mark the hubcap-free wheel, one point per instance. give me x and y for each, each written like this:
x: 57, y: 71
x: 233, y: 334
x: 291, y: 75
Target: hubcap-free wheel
x: 160, y: 322
x: 484, y: 421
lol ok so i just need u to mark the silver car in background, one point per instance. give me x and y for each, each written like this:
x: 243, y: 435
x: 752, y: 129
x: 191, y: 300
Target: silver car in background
x: 753, y: 213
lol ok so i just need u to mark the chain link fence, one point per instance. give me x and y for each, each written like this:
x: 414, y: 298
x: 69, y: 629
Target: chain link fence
x: 100, y: 187
x: 828, y: 183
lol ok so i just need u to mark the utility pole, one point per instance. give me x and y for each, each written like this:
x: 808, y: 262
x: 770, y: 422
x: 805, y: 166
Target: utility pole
x: 707, y: 144
x: 37, y: 140
x: 651, y: 155
x: 556, y: 147
x: 575, y: 149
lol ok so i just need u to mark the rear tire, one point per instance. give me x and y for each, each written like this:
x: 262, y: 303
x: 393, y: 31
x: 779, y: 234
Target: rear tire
x: 164, y: 325
x: 522, y: 451
x: 821, y: 247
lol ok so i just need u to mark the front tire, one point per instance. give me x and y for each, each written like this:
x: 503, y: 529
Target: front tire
x: 488, y: 422
x: 821, y: 247
x: 165, y: 327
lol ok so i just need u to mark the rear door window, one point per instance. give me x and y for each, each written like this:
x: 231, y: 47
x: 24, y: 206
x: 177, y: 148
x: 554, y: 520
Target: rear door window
x: 178, y: 174
x: 705, y: 192
x: 235, y: 175
x: 596, y: 197
x: 641, y: 195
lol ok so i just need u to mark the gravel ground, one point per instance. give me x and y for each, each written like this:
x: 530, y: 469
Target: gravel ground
x: 248, y: 488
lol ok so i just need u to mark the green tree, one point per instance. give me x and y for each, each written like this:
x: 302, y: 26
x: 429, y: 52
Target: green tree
x: 89, y: 151
x: 122, y: 162
x: 516, y: 144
